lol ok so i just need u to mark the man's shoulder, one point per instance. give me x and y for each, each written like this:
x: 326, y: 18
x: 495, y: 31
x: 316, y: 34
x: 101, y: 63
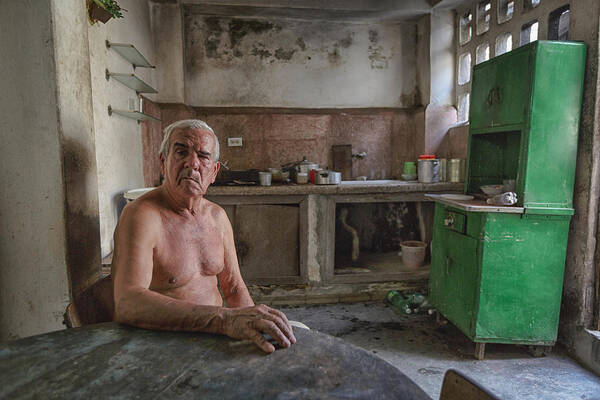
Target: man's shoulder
x: 214, y: 210
x: 144, y: 209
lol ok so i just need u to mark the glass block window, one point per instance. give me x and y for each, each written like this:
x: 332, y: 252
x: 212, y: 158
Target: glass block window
x: 558, y: 24
x: 529, y: 32
x: 463, y: 107
x: 506, y: 8
x: 527, y: 4
x: 482, y: 53
x: 503, y: 43
x: 464, y: 68
x: 483, y: 16
x: 466, y: 28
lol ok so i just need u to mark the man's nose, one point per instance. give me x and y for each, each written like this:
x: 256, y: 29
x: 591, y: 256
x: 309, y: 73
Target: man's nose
x: 192, y: 161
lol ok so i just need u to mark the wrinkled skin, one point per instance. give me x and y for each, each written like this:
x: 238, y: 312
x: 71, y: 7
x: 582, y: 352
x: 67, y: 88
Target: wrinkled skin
x: 172, y: 248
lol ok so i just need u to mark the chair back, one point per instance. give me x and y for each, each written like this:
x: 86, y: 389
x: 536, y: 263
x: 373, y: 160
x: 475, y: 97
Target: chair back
x: 457, y: 386
x: 94, y: 305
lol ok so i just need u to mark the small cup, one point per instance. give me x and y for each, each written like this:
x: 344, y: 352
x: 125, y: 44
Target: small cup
x: 264, y: 178
x: 301, y: 177
x: 410, y: 168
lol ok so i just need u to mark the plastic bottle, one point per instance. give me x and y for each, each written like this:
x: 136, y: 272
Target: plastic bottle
x: 399, y: 302
x: 503, y: 199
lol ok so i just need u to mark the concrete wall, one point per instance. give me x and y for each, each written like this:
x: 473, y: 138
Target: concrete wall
x: 581, y: 300
x: 118, y: 139
x: 293, y: 63
x: 33, y: 271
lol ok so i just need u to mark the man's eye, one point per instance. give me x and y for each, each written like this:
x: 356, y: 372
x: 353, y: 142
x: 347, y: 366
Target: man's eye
x: 180, y: 152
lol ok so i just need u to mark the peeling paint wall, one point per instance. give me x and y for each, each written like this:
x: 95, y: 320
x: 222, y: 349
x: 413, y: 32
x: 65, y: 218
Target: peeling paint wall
x: 293, y: 63
x: 118, y: 139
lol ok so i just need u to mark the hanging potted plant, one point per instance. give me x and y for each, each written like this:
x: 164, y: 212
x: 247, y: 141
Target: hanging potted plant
x: 103, y: 10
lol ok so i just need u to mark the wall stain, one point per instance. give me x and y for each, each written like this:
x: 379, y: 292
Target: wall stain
x: 377, y: 58
x: 284, y: 55
x: 301, y: 44
x: 239, y: 28
x: 212, y: 40
x: 373, y: 36
x: 260, y: 52
x: 347, y: 41
x: 335, y: 57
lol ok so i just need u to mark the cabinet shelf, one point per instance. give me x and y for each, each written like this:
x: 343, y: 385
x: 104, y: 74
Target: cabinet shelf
x: 130, y: 53
x: 137, y: 115
x: 131, y: 81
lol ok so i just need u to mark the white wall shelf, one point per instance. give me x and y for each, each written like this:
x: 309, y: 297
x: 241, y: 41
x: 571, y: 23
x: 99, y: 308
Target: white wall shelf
x: 137, y: 115
x: 131, y: 81
x: 130, y: 53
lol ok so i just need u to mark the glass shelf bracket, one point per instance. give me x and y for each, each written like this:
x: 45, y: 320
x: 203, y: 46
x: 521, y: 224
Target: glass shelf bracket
x: 137, y: 115
x: 131, y: 54
x: 131, y: 81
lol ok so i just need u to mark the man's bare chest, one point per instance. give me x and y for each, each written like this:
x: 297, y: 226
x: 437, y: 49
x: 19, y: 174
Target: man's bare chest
x: 188, y: 252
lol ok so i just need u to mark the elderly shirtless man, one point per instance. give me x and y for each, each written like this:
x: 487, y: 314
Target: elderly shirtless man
x: 172, y: 246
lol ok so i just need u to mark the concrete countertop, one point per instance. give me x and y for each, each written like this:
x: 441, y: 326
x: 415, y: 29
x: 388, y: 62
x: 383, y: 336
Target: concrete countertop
x: 346, y: 187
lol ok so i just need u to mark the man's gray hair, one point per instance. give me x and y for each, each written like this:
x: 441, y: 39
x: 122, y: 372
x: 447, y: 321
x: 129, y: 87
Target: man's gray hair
x: 187, y: 123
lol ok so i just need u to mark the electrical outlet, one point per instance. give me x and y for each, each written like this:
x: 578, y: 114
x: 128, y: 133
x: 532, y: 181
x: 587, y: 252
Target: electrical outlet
x: 234, y: 142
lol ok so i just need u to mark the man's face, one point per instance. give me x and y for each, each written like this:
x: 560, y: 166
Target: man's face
x: 190, y: 167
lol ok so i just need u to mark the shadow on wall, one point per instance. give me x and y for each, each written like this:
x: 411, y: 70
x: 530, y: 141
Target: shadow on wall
x: 119, y: 203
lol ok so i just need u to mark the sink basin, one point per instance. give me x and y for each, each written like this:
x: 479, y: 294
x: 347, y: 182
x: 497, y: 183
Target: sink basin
x: 373, y: 182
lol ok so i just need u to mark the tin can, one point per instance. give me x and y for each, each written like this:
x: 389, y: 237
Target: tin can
x: 455, y: 170
x: 429, y: 170
x: 443, y: 170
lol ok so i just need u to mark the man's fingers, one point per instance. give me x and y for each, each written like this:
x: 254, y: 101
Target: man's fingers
x: 271, y: 328
x: 282, y: 322
x: 262, y: 342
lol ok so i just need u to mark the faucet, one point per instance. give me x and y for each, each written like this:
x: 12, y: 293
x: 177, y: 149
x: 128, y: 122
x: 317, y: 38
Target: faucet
x: 360, y: 155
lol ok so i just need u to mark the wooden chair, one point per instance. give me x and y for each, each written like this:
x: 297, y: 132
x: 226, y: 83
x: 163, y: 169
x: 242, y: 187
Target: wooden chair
x: 457, y: 386
x: 94, y: 305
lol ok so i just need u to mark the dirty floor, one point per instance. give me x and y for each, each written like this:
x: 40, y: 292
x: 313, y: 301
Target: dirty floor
x: 421, y: 350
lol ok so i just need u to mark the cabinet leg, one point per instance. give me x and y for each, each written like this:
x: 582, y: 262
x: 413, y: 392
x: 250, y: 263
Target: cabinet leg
x: 479, y: 350
x: 440, y: 321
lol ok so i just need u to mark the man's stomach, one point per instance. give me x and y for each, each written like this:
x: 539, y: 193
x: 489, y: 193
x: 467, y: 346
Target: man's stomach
x: 201, y: 290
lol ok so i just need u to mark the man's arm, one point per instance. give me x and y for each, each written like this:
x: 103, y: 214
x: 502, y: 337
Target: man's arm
x: 136, y: 237
x: 232, y: 284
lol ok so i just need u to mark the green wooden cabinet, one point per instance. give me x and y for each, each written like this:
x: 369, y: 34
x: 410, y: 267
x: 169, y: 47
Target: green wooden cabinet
x: 500, y: 281
x: 524, y: 123
x: 497, y: 273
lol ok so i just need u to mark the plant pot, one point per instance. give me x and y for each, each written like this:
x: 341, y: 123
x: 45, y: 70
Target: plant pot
x: 97, y: 13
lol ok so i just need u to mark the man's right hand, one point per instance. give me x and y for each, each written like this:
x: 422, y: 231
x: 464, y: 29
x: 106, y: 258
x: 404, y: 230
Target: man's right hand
x: 251, y: 322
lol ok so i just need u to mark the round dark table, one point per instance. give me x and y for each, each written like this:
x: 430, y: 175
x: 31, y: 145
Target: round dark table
x: 114, y: 361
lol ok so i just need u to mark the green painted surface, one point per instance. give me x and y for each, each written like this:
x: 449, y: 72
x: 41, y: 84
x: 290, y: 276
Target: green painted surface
x: 504, y: 285
x: 498, y: 276
x: 524, y: 123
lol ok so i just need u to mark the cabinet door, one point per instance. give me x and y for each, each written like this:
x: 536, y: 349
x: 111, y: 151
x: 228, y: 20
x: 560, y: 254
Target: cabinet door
x: 454, y: 277
x: 267, y: 242
x: 501, y: 90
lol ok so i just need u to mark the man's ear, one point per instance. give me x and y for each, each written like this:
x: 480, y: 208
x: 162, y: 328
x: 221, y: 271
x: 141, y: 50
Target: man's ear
x: 162, y: 163
x: 215, y: 171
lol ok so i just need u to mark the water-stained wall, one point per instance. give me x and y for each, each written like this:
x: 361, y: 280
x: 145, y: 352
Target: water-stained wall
x: 295, y: 63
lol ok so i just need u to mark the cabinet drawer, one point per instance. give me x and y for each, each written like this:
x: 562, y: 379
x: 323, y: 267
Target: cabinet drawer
x: 455, y: 221
x: 501, y: 90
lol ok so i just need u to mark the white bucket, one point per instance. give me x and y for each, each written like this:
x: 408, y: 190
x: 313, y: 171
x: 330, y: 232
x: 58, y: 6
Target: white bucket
x: 413, y: 253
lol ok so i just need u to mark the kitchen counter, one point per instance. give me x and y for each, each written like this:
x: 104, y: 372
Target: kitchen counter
x: 346, y: 187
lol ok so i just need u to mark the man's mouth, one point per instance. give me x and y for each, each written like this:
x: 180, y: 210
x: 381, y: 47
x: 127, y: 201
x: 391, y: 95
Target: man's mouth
x: 189, y: 178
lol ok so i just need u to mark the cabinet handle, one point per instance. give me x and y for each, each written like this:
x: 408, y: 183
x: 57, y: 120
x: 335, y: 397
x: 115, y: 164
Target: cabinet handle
x: 449, y: 221
x: 448, y: 261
